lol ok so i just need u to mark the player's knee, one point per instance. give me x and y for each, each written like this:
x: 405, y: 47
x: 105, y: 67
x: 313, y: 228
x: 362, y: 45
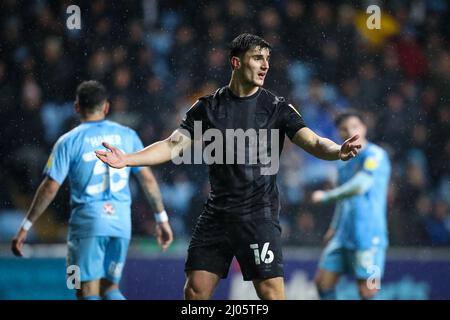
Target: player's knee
x: 269, y: 294
x: 270, y: 291
x: 318, y: 281
x: 321, y: 283
x: 324, y: 281
x: 192, y: 292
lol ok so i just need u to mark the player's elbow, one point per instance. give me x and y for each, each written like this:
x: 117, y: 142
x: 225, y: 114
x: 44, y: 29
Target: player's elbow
x: 50, y: 186
x: 359, y: 190
x: 365, y: 183
x: 178, y: 146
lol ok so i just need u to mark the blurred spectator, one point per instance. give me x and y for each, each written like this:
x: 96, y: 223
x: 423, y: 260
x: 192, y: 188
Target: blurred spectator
x: 178, y: 197
x: 410, y: 54
x: 305, y: 230
x: 394, y: 124
x: 29, y: 151
x: 438, y: 224
x: 121, y: 112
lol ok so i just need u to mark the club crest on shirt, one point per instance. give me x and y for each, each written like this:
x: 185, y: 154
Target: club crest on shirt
x: 108, y: 208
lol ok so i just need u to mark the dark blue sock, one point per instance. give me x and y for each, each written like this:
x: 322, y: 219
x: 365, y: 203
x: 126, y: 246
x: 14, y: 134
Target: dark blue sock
x: 114, y: 294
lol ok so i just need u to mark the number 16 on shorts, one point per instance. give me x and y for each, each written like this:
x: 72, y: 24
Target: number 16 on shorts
x: 266, y: 255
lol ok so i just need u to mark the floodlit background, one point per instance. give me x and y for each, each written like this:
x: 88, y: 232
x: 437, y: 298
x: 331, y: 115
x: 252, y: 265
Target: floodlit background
x: 158, y: 57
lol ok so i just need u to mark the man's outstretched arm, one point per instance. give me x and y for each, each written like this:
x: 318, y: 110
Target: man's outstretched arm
x: 156, y: 153
x: 324, y: 148
x: 359, y: 184
x: 43, y: 197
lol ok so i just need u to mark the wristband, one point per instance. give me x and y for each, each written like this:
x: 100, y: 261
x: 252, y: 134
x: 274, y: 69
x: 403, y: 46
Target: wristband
x: 161, y: 217
x: 26, y: 224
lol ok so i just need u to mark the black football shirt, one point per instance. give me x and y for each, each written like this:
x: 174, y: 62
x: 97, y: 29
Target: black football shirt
x: 240, y: 188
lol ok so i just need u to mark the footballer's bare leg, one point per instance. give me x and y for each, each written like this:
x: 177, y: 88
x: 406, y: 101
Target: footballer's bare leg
x: 270, y: 289
x: 89, y: 289
x: 110, y: 290
x: 200, y: 285
x: 366, y: 292
x: 325, y: 283
x: 106, y: 286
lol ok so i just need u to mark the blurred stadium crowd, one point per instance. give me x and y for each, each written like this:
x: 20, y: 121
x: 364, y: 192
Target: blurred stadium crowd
x: 158, y: 57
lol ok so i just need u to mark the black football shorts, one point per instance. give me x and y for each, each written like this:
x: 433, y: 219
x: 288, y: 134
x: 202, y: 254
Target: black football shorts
x: 256, y: 244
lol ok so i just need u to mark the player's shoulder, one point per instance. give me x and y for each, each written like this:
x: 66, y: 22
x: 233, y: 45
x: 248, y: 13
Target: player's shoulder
x: 215, y: 94
x: 272, y: 95
x: 274, y: 98
x: 117, y: 125
x: 119, y: 128
x: 375, y: 158
x: 212, y: 97
x: 375, y: 150
x: 278, y: 101
x: 69, y: 136
x: 208, y: 101
x: 376, y: 153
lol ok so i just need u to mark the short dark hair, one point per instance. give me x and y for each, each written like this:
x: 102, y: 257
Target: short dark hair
x: 342, y: 116
x: 246, y: 41
x: 90, y: 96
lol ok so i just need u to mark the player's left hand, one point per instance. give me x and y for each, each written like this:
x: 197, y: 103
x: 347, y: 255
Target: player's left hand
x: 114, y: 158
x: 18, y: 242
x: 164, y: 235
x: 317, y: 196
x: 350, y: 148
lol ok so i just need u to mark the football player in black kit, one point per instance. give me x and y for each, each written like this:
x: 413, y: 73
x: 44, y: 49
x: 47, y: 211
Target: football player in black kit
x: 240, y: 217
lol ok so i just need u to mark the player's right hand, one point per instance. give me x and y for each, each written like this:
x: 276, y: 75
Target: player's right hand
x: 164, y: 235
x: 350, y: 148
x: 328, y: 235
x: 114, y: 158
x: 17, y: 242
